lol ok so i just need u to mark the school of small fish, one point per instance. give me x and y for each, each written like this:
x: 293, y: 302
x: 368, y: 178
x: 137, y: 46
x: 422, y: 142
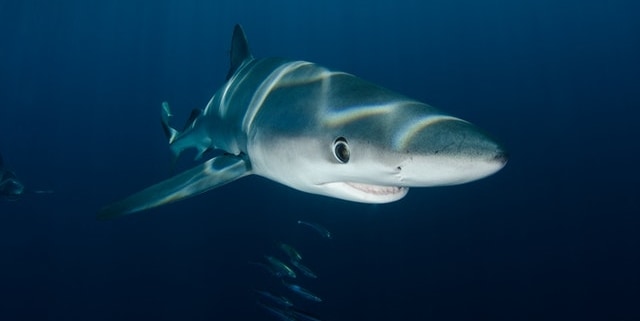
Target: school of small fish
x: 284, y: 268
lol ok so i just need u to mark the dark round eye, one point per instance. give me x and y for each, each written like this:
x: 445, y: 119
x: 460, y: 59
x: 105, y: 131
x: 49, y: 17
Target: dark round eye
x: 341, y: 150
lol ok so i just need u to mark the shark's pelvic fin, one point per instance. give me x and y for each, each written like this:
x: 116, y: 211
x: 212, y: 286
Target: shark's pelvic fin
x: 173, y: 134
x: 239, y: 50
x: 169, y: 131
x: 213, y: 173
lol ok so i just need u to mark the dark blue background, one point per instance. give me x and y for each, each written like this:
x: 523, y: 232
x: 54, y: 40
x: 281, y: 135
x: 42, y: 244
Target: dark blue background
x: 553, y: 236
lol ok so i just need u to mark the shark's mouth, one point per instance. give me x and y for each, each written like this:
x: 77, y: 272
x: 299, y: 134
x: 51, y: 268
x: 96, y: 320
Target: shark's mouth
x: 367, y: 193
x: 377, y: 189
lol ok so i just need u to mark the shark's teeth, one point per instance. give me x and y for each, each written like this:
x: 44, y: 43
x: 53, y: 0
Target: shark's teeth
x: 377, y: 189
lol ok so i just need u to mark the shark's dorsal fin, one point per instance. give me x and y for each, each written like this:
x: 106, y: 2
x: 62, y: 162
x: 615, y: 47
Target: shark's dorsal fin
x: 239, y: 50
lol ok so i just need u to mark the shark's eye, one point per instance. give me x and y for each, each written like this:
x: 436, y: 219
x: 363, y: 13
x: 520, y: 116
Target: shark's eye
x: 341, y: 150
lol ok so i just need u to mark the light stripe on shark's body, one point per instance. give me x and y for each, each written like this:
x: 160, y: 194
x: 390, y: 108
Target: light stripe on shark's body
x: 318, y: 131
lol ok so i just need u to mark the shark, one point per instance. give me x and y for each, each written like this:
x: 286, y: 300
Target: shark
x: 318, y: 131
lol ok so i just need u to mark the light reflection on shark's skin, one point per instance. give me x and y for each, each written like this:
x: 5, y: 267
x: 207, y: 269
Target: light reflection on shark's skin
x: 318, y: 131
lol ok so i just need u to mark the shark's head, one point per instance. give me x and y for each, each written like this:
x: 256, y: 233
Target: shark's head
x: 375, y: 153
x: 378, y: 163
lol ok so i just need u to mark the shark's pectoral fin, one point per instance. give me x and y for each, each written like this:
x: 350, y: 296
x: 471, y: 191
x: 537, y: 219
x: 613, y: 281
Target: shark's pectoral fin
x: 211, y: 174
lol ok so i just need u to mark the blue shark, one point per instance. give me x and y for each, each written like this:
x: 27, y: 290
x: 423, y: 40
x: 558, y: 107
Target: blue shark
x: 318, y: 131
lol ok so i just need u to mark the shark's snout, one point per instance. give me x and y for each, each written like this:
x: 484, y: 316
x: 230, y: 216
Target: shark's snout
x: 502, y: 157
x: 451, y: 151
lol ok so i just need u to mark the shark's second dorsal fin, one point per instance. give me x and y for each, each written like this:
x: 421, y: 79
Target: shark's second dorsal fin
x: 239, y: 50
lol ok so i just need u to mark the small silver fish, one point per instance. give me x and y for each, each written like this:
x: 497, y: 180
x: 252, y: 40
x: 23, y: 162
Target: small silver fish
x: 318, y: 228
x: 280, y: 268
x: 290, y: 251
x: 302, y: 292
x: 279, y: 300
x: 305, y: 270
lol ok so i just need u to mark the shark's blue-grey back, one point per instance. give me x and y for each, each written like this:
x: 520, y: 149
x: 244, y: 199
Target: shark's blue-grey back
x: 319, y: 131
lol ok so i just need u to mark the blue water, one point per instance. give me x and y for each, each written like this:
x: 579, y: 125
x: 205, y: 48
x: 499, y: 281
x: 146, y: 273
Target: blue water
x: 553, y: 236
